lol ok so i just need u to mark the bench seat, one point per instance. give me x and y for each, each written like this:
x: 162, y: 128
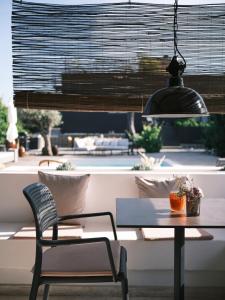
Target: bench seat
x: 146, y: 259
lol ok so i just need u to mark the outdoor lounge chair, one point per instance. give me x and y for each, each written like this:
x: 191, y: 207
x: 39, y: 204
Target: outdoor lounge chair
x: 50, y: 161
x: 73, y: 260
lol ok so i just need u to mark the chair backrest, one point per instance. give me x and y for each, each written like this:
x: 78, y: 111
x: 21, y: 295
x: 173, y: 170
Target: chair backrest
x: 50, y: 161
x: 43, y: 206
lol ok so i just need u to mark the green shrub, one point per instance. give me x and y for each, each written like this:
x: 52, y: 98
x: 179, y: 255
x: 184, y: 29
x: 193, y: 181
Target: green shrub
x: 141, y: 168
x: 190, y: 122
x: 149, y: 138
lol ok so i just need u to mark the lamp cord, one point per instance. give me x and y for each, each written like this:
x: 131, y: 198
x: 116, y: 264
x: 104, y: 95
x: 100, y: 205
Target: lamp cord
x: 175, y: 29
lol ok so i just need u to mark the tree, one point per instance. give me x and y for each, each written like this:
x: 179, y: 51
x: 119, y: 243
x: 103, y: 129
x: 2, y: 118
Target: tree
x: 3, y: 122
x: 42, y: 121
x: 131, y: 123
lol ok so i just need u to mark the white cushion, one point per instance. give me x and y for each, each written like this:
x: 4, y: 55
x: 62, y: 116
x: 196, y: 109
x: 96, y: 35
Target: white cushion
x: 150, y: 188
x: 98, y: 142
x: 80, y: 143
x: 114, y: 143
x: 80, y: 260
x: 106, y: 143
x: 68, y: 191
x: 123, y: 143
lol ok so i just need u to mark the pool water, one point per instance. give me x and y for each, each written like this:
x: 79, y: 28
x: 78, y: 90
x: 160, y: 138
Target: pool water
x: 111, y: 162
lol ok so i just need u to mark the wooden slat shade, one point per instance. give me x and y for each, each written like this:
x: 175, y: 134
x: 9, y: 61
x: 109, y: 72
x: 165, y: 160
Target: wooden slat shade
x: 70, y: 102
x: 210, y: 87
x: 112, y: 57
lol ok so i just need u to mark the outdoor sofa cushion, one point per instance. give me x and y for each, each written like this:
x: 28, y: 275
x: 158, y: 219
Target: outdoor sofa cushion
x: 163, y: 234
x: 65, y: 231
x: 69, y: 192
x: 112, y: 144
x: 152, y: 188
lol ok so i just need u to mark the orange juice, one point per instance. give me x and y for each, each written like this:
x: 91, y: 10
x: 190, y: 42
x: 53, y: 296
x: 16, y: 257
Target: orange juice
x: 177, y: 202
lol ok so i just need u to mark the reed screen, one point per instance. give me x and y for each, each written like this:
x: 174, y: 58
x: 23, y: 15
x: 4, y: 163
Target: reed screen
x: 111, y: 57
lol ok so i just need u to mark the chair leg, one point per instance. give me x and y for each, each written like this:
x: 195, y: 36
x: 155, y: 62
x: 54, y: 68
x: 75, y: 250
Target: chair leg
x: 123, y: 274
x: 124, y: 285
x: 46, y: 292
x: 34, y: 289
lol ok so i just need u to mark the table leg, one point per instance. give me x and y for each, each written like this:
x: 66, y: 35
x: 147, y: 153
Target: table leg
x: 179, y: 242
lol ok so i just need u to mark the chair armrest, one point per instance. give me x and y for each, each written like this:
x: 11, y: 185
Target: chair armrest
x: 55, y: 243
x: 91, y: 215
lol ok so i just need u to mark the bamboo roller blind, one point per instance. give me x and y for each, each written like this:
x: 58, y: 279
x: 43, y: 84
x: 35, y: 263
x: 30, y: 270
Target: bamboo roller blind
x: 112, y: 57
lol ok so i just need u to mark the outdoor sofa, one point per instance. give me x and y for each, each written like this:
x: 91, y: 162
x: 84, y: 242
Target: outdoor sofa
x: 101, y: 145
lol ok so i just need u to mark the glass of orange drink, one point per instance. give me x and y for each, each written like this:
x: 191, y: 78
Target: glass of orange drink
x: 177, y: 201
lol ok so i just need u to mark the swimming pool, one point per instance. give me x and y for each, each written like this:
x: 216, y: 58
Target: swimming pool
x: 110, y: 162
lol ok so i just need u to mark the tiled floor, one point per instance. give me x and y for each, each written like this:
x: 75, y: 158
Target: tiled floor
x: 14, y: 292
x: 106, y: 298
x: 79, y: 298
x: 83, y: 298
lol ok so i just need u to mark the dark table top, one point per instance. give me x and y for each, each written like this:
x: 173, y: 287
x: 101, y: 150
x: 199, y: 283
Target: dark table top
x: 155, y: 212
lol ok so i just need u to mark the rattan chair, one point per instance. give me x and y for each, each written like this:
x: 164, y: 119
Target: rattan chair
x: 86, y: 260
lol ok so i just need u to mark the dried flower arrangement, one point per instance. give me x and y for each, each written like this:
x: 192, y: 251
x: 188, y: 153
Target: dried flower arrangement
x: 66, y: 166
x: 148, y: 163
x: 193, y: 195
x: 186, y: 185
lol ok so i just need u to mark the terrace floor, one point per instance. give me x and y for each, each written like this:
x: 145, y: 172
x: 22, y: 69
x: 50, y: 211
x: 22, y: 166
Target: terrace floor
x: 190, y: 158
x: 112, y: 293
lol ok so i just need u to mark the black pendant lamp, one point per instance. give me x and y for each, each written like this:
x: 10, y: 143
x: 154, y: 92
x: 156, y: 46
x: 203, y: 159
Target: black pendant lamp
x: 175, y: 101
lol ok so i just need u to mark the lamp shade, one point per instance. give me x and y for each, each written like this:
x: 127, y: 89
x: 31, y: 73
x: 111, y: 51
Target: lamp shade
x: 175, y: 102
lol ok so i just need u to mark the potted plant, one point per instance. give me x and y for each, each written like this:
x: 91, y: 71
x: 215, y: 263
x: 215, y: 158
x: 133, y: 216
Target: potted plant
x: 193, y: 194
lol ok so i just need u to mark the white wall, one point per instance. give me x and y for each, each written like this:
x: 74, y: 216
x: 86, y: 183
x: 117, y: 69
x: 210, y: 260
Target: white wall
x: 102, y: 191
x: 149, y: 263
